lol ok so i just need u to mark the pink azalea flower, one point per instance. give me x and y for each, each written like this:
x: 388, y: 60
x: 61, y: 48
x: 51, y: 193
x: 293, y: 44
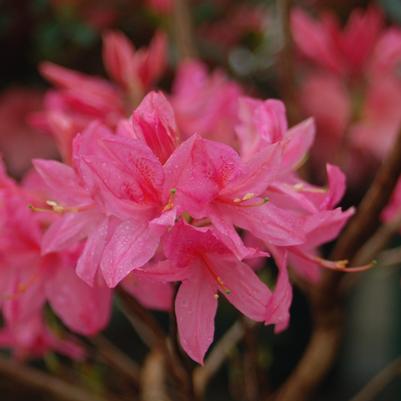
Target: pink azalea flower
x: 237, y: 21
x: 29, y: 279
x: 205, y: 104
x: 115, y: 196
x: 134, y: 70
x: 78, y: 99
x: 151, y: 293
x: 161, y: 6
x: 153, y: 122
x: 31, y: 338
x: 342, y: 52
x: 19, y: 142
x: 323, y: 222
x: 211, y: 181
x: 351, y: 88
x: 205, y: 267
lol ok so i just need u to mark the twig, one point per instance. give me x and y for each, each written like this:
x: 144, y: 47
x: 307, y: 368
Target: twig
x: 116, y: 358
x: 154, y: 378
x: 179, y: 361
x: 219, y: 353
x: 155, y: 337
x: 379, y: 382
x: 183, y: 29
x: 250, y: 363
x: 327, y: 299
x: 378, y: 241
x: 286, y: 71
x: 368, y: 217
x: 143, y: 322
x: 45, y: 383
x: 390, y: 257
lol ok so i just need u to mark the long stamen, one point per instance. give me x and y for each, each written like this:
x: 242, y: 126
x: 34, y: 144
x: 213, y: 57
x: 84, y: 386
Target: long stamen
x: 218, y: 279
x: 301, y: 187
x: 56, y: 208
x: 248, y: 196
x: 21, y: 288
x: 342, y: 265
x: 170, y: 203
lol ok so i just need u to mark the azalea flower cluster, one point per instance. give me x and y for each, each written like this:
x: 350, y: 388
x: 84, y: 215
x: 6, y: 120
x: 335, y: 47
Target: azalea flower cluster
x: 143, y: 202
x: 351, y: 85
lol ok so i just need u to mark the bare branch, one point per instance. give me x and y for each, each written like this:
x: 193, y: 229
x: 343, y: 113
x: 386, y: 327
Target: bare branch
x: 116, y: 358
x: 218, y: 355
x: 142, y: 320
x: 327, y: 299
x: 379, y: 382
x: 183, y: 29
x: 153, y: 382
x: 45, y: 383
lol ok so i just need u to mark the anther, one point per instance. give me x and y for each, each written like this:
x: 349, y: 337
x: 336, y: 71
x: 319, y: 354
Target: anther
x: 170, y: 203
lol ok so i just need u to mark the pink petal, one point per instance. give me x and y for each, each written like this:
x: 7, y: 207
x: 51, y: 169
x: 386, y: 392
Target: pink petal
x: 68, y: 230
x: 257, y: 173
x: 163, y: 271
x: 84, y: 309
x: 315, y: 40
x: 62, y: 182
x: 336, y: 187
x: 269, y: 223
x: 226, y: 232
x: 155, y: 60
x: 149, y: 292
x: 195, y: 308
x: 277, y: 309
x: 197, y: 170
x: 118, y: 57
x: 298, y: 141
x: 242, y: 287
x: 131, y: 246
x: 154, y: 123
x: 326, y: 225
x: 89, y: 260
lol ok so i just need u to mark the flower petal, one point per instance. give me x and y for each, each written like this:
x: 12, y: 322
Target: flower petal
x: 195, y: 308
x: 242, y: 287
x: 131, y: 246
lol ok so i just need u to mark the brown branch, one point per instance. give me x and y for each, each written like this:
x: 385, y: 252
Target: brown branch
x: 116, y: 358
x: 286, y: 62
x: 44, y: 383
x: 155, y: 337
x: 379, y: 382
x: 179, y: 361
x: 143, y: 322
x: 217, y: 356
x: 378, y: 241
x: 154, y: 379
x: 183, y: 29
x: 252, y: 383
x: 327, y: 299
x: 368, y: 217
x: 390, y: 257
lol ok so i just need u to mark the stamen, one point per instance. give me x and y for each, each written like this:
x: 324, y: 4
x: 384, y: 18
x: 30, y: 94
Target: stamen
x: 57, y: 208
x: 187, y: 217
x: 38, y: 209
x: 261, y: 202
x: 21, y: 289
x: 218, y: 279
x: 342, y: 265
x: 301, y: 187
x: 245, y: 198
x: 170, y: 203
